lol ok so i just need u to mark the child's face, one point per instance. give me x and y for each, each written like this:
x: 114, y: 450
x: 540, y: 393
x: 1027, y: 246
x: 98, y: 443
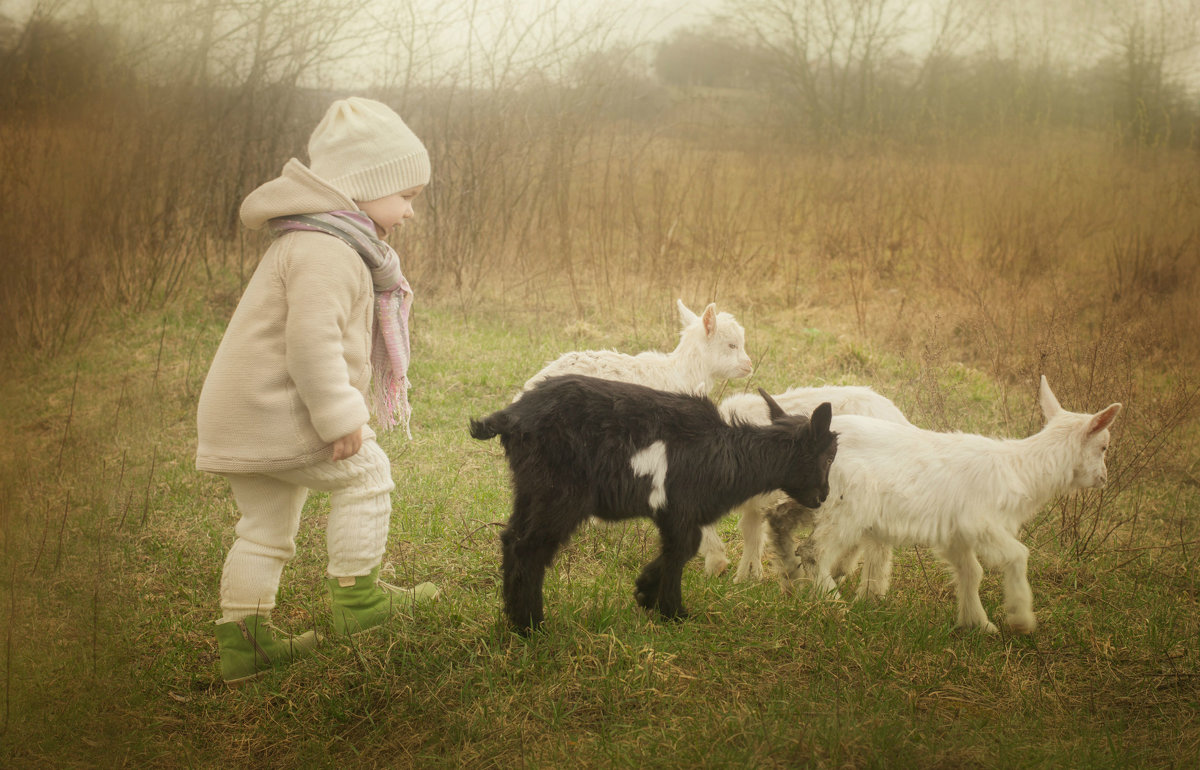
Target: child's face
x: 391, y: 210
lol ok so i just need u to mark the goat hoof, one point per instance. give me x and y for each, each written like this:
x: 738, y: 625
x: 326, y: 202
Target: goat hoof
x: 987, y: 627
x: 714, y: 566
x: 1022, y: 625
x: 525, y: 625
x: 750, y: 572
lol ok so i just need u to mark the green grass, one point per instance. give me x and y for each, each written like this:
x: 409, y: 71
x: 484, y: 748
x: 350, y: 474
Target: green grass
x: 113, y: 545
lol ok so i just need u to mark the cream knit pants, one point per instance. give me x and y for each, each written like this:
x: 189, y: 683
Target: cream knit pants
x: 360, y: 510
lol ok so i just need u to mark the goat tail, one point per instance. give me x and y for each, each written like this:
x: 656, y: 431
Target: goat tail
x: 489, y: 427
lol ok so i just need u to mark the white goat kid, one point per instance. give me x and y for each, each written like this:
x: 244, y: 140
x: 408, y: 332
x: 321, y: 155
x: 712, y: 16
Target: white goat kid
x: 712, y: 346
x: 966, y: 496
x: 750, y: 407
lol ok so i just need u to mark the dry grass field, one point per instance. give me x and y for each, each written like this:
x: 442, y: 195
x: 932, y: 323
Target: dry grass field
x: 947, y: 276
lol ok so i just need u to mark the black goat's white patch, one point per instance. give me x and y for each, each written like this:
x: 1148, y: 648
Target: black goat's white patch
x: 580, y: 447
x: 652, y: 462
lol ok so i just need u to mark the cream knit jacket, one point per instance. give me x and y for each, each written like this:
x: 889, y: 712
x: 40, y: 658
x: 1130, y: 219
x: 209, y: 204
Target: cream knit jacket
x: 292, y: 371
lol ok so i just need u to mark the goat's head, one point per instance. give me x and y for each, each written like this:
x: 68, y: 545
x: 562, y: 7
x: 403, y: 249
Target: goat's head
x: 810, y: 484
x: 1086, y: 435
x: 719, y: 339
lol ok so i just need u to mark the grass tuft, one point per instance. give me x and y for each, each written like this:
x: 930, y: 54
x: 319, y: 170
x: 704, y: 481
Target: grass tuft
x: 946, y: 282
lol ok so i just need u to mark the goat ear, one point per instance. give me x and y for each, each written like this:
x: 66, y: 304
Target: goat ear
x: 710, y: 319
x: 686, y: 316
x: 1049, y: 403
x: 1102, y: 420
x: 773, y: 408
x: 822, y: 416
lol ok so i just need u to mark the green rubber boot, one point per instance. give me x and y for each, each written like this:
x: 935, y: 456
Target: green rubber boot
x: 366, y: 601
x: 249, y: 649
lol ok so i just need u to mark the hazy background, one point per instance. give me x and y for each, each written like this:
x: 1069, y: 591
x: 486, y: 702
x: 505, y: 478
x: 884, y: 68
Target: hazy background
x: 139, y: 125
x: 942, y: 199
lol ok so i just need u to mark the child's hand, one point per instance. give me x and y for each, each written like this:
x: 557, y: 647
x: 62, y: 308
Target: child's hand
x: 347, y: 446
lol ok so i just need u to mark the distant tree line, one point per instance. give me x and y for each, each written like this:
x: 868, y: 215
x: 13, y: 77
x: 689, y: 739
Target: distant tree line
x: 805, y: 69
x: 832, y: 69
x: 148, y: 122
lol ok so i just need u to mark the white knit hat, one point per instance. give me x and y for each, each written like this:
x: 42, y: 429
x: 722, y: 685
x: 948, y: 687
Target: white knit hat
x: 365, y: 150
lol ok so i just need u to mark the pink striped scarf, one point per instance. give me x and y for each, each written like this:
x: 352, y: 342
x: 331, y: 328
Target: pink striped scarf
x: 390, y: 350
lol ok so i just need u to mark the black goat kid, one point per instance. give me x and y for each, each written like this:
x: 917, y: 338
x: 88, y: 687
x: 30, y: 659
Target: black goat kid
x: 581, y: 446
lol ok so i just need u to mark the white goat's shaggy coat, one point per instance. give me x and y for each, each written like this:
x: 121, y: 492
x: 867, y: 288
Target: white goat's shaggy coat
x: 712, y: 346
x: 750, y: 407
x: 966, y: 496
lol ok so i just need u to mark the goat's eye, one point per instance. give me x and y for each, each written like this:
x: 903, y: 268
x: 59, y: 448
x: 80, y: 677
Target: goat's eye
x: 732, y: 346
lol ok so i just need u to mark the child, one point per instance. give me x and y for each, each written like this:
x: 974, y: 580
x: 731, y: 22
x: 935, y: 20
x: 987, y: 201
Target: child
x: 284, y: 407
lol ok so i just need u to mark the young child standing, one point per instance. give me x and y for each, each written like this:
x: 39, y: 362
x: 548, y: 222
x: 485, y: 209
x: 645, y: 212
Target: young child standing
x: 284, y: 407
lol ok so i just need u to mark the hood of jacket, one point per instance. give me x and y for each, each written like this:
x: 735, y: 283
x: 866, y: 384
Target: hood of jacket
x: 295, y: 191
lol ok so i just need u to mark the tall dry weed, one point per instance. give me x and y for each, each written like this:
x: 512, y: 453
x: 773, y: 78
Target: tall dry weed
x: 1067, y: 256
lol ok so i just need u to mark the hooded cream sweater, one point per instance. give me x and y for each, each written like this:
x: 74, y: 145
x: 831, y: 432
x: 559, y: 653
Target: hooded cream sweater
x: 292, y: 371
